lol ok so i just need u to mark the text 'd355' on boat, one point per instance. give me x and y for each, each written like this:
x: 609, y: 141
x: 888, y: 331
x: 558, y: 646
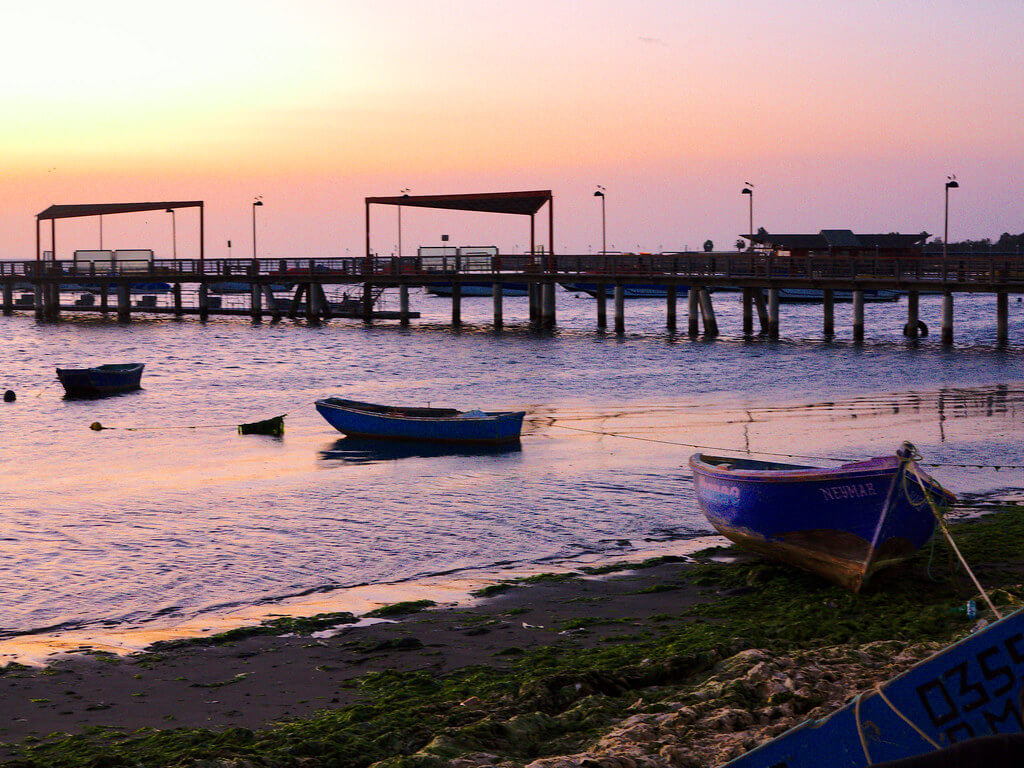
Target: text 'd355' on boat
x: 843, y: 523
x: 101, y: 380
x: 444, y: 425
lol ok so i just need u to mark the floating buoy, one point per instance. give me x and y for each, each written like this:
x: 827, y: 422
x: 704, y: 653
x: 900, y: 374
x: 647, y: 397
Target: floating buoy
x: 96, y: 426
x: 922, y: 329
x: 273, y: 427
x: 9, y: 396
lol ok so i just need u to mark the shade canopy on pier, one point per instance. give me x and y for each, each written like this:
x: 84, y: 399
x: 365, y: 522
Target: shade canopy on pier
x: 522, y: 203
x: 55, y: 212
x: 841, y: 240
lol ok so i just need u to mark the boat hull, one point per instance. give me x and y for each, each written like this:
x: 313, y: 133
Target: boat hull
x: 843, y: 524
x: 817, y: 295
x: 100, y: 381
x: 479, y: 289
x: 968, y: 690
x: 439, y: 425
x: 629, y: 290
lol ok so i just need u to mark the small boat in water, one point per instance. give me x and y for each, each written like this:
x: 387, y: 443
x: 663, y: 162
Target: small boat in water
x: 102, y: 380
x: 817, y: 295
x: 629, y: 290
x: 442, y: 425
x: 478, y: 289
x: 843, y: 523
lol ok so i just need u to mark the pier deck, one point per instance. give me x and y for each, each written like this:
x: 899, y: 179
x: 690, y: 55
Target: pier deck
x: 754, y: 273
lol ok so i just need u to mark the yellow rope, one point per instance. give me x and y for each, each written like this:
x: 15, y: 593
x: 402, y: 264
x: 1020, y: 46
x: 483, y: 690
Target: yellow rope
x: 949, y: 537
x: 904, y: 718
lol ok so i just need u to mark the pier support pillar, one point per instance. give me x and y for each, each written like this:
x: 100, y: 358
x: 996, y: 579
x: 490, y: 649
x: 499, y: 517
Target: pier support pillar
x: 1002, y: 317
x: 275, y: 311
x: 496, y: 293
x: 773, y: 313
x: 549, y: 305
x: 947, y: 317
x: 858, y: 315
x: 456, y: 304
x: 367, y: 303
x: 910, y: 330
x: 176, y: 294
x: 620, y: 309
x: 293, y: 308
x: 403, y: 304
x: 693, y: 327
x: 124, y: 302
x: 670, y: 309
x: 54, y: 312
x: 762, y: 310
x: 602, y: 307
x: 532, y: 291
x: 828, y: 304
x: 204, y: 302
x: 707, y: 312
x: 104, y: 298
x: 38, y: 300
x: 313, y: 309
x: 8, y: 298
x: 256, y: 302
x: 748, y: 312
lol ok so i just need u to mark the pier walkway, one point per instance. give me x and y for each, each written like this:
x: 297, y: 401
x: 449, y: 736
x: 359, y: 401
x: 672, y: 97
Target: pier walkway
x: 758, y: 275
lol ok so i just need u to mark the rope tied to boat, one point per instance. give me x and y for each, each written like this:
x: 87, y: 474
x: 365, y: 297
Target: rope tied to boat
x: 860, y: 727
x: 908, y: 457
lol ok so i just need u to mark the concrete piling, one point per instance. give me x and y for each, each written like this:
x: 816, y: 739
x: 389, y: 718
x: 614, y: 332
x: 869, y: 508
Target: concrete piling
x: 707, y: 312
x: 773, y: 313
x: 693, y: 322
x: 496, y: 293
x: 620, y: 309
x: 858, y: 315
x: 403, y: 304
x: 829, y: 306
x: 1002, y: 317
x: 602, y: 307
x: 670, y: 309
x: 947, y: 317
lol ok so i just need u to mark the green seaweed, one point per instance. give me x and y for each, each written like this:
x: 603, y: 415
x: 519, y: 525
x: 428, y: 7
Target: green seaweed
x: 400, y: 609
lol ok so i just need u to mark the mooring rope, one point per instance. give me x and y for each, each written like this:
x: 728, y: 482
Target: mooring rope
x: 860, y: 726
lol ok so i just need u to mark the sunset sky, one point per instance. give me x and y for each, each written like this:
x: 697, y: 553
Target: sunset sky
x: 841, y: 114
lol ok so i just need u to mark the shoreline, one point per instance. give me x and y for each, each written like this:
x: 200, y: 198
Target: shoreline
x: 677, y: 661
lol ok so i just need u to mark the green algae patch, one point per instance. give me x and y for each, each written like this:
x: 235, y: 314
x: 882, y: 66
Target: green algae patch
x: 401, y: 609
x: 302, y: 625
x: 560, y: 699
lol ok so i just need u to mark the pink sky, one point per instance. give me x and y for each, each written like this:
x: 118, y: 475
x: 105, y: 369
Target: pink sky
x: 841, y: 114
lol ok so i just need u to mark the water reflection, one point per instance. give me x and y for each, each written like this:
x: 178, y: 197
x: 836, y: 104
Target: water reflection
x: 361, y: 450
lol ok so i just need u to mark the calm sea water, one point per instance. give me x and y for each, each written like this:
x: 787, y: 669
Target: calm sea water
x: 162, y: 523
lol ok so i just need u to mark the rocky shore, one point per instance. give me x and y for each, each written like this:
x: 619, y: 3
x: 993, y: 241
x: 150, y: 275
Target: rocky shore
x: 668, y: 663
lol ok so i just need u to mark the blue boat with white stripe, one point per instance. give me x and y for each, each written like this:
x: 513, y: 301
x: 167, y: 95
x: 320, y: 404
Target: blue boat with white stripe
x: 440, y: 425
x: 843, y: 523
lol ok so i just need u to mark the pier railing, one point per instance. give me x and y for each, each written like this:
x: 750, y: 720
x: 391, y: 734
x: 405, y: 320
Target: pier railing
x: 955, y: 269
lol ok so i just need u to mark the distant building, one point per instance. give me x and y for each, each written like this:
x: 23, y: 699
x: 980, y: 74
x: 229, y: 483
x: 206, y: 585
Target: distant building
x: 840, y: 242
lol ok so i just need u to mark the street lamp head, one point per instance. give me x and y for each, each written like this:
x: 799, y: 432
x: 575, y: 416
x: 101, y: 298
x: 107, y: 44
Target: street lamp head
x: 257, y: 202
x: 746, y: 191
x: 951, y: 184
x: 599, y: 193
x: 169, y: 210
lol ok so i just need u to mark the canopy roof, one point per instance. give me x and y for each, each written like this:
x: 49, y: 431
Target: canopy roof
x: 838, y: 238
x: 525, y: 203
x: 99, y: 209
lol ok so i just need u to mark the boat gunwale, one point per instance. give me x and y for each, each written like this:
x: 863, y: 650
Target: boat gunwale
x: 795, y: 475
x: 456, y: 416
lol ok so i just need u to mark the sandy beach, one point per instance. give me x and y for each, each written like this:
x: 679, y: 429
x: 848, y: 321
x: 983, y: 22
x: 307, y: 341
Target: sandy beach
x: 674, y: 663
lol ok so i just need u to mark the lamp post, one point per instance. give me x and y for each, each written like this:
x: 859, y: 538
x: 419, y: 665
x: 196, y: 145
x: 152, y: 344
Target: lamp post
x: 174, y: 233
x: 950, y: 184
x: 405, y: 193
x: 748, y: 190
x: 257, y: 203
x: 600, y: 193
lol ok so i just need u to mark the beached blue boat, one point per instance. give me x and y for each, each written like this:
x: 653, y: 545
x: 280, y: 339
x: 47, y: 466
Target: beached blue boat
x: 442, y: 425
x: 843, y: 523
x: 101, y: 380
x: 966, y: 691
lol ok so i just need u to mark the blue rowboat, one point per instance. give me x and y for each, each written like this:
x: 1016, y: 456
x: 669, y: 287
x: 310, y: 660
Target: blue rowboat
x: 441, y: 425
x: 968, y: 690
x: 102, y: 380
x: 843, y: 523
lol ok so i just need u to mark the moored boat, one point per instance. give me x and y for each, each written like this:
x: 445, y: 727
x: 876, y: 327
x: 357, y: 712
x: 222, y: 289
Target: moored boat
x: 442, y: 425
x: 478, y: 289
x: 101, y: 380
x: 813, y: 295
x: 843, y: 523
x: 629, y: 290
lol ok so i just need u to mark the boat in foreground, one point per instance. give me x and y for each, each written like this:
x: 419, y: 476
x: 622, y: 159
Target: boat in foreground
x: 843, y: 523
x: 101, y: 380
x: 968, y: 690
x: 442, y: 425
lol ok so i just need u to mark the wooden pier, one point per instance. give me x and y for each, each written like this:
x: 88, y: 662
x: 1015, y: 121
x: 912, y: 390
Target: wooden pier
x: 758, y: 276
